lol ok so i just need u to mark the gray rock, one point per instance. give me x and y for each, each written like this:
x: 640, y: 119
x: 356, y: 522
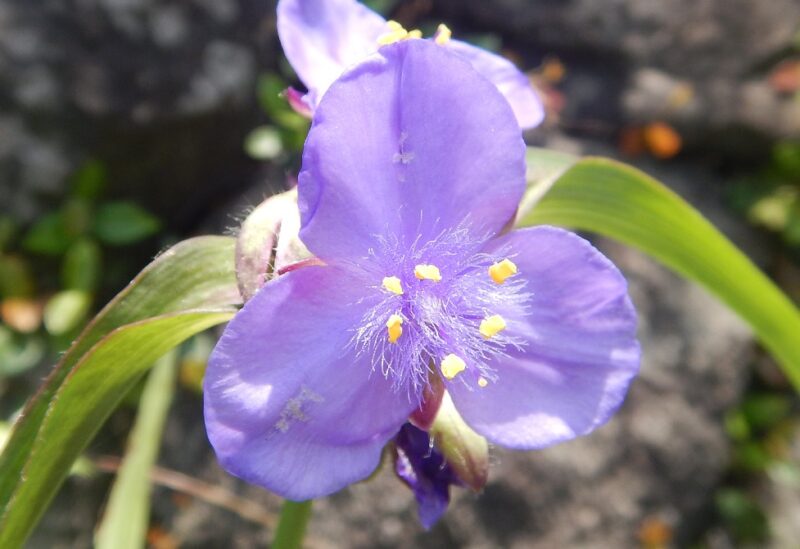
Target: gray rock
x: 700, y: 65
x: 163, y: 92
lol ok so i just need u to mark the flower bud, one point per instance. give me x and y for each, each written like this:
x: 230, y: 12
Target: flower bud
x: 268, y: 241
x: 466, y: 451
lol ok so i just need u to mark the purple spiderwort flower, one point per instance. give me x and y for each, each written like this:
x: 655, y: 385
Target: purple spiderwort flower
x: 424, y: 469
x: 322, y: 38
x: 413, y: 166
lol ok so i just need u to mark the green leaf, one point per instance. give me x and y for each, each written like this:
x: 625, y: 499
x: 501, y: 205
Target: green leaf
x: 48, y: 236
x: 16, y: 279
x: 120, y: 223
x: 763, y: 411
x: 65, y: 311
x: 8, y: 230
x: 618, y: 201
x: 187, y: 289
x: 81, y: 267
x: 90, y: 180
x: 76, y: 215
x: 742, y: 515
x: 124, y: 523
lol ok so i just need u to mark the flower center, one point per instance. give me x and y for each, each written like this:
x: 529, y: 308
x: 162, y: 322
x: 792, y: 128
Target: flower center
x: 443, y: 308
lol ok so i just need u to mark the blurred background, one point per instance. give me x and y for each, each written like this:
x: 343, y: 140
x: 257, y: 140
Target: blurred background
x: 127, y: 125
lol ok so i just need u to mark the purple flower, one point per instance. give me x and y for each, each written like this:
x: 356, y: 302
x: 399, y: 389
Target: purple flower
x: 412, y: 168
x: 322, y: 38
x: 424, y: 469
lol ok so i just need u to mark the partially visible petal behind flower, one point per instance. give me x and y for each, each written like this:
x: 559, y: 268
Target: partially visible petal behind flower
x: 322, y: 38
x: 514, y: 85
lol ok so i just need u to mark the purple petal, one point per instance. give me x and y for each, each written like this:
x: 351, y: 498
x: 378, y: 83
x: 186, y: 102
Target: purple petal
x: 321, y: 38
x: 513, y: 84
x: 287, y: 406
x: 423, y: 468
x: 408, y: 144
x: 580, y: 350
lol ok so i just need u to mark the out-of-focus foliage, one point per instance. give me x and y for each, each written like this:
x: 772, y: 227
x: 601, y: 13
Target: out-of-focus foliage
x: 763, y: 429
x: 50, y: 272
x: 184, y: 291
x: 771, y: 198
x: 285, y: 133
x: 742, y: 516
x: 126, y: 518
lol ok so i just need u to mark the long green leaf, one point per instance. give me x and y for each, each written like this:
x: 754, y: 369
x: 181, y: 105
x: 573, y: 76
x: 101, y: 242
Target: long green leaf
x: 124, y: 523
x: 616, y: 200
x: 86, y: 399
x: 188, y: 288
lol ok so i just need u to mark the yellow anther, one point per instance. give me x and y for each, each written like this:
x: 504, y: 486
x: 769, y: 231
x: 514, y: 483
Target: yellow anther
x: 428, y: 272
x: 500, y: 271
x: 452, y: 366
x: 394, y: 326
x: 392, y: 284
x: 482, y: 382
x: 492, y: 326
x: 397, y: 33
x: 443, y: 35
x: 391, y: 37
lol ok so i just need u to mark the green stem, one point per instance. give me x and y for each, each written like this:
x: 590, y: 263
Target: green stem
x: 292, y: 524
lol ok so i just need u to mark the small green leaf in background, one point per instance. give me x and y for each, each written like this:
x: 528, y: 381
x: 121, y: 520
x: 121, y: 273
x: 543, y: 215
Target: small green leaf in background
x: 126, y: 517
x: 742, y: 515
x: 763, y: 411
x: 621, y: 202
x: 8, y: 230
x: 76, y: 216
x: 120, y: 223
x: 90, y: 180
x: 66, y: 311
x: 48, y: 236
x: 81, y: 267
x: 16, y: 279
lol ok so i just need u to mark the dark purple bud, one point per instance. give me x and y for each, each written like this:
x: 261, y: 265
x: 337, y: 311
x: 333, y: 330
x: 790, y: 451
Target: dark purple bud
x: 423, y: 468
